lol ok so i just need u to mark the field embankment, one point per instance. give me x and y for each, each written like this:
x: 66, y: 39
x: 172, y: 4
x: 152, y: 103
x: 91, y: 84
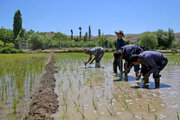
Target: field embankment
x: 44, y: 99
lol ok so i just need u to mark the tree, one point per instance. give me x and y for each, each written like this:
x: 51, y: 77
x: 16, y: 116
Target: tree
x: 85, y: 37
x: 148, y: 40
x: 6, y: 36
x: 17, y: 25
x: 99, y: 33
x: 165, y: 39
x: 171, y: 37
x: 59, y: 37
x: 71, y: 34
x: 30, y: 31
x: 89, y: 32
x: 80, y: 32
x: 36, y: 41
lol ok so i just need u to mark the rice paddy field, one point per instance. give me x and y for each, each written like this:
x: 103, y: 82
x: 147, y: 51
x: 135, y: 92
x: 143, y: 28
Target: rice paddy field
x: 90, y: 93
x: 18, y: 74
x: 86, y: 92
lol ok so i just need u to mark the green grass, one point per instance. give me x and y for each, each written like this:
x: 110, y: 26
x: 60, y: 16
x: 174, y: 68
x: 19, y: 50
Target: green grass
x: 173, y: 58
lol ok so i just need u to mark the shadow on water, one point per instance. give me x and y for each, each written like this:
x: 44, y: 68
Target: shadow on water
x: 151, y: 85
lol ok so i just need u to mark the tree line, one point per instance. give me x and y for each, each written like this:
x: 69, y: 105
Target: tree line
x: 12, y: 41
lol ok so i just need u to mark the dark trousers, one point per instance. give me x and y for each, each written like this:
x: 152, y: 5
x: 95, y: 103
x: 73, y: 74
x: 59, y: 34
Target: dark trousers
x: 156, y: 74
x: 117, y: 63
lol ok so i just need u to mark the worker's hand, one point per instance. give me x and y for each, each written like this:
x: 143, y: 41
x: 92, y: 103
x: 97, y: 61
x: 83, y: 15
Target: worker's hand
x: 138, y: 76
x: 91, y: 62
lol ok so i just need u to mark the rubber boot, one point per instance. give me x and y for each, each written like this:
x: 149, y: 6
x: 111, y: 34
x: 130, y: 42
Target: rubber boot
x: 97, y: 65
x: 157, y: 82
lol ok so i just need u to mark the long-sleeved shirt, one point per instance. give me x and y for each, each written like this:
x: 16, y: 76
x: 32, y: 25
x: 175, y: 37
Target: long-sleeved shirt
x: 96, y: 50
x: 119, y: 43
x: 151, y: 59
x: 128, y: 50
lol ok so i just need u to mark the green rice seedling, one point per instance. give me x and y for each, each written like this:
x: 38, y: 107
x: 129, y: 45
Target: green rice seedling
x: 76, y: 105
x: 79, y: 85
x: 95, y: 105
x: 115, y: 97
x: 149, y: 110
x: 155, y: 117
x: 14, y: 104
x: 91, y: 86
x: 178, y: 118
x: 139, y: 94
x: 70, y: 84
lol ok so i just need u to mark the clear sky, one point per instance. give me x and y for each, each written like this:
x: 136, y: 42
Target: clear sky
x: 132, y: 16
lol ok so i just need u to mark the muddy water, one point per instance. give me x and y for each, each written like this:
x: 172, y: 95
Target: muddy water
x: 97, y: 94
x: 6, y: 109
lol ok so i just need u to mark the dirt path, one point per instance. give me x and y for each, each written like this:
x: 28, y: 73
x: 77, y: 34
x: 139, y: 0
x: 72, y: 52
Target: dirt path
x: 44, y: 99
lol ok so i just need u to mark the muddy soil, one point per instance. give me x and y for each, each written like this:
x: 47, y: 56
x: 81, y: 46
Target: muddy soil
x: 44, y: 99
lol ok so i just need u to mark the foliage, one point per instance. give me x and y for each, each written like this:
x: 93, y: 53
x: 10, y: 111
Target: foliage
x: 99, y: 33
x: 175, y: 45
x: 71, y: 34
x: 89, y: 32
x: 148, y: 40
x: 36, y: 41
x: 8, y: 50
x: 17, y: 25
x: 86, y: 36
x: 165, y: 39
x: 6, y: 36
x: 80, y: 32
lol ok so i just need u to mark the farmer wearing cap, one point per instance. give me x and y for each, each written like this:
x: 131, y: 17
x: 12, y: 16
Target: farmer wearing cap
x: 152, y: 62
x: 126, y: 53
x: 119, y: 43
x: 98, y: 52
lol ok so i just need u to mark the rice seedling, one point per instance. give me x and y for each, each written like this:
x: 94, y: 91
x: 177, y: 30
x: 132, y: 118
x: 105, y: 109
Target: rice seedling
x: 115, y: 97
x: 95, y: 105
x: 149, y: 110
x: 155, y: 117
x: 139, y: 94
x: 178, y: 118
x: 18, y: 73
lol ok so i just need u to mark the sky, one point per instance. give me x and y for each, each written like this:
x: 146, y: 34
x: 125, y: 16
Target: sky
x: 131, y: 16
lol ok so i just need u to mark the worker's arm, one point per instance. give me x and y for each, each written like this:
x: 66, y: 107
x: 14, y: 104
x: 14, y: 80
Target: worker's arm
x: 127, y: 67
x: 94, y: 59
x: 88, y: 60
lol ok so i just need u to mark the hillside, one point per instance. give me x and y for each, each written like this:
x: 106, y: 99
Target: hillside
x: 131, y: 37
x: 134, y: 37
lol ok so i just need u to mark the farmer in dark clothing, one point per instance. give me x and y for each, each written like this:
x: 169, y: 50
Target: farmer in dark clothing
x: 126, y: 53
x: 119, y: 43
x: 98, y: 52
x: 152, y: 62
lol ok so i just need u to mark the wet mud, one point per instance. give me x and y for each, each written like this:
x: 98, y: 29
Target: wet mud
x: 44, y: 99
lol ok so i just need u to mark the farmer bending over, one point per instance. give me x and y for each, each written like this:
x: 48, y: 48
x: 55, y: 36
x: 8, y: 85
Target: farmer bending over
x: 98, y: 52
x: 152, y: 62
x: 126, y: 53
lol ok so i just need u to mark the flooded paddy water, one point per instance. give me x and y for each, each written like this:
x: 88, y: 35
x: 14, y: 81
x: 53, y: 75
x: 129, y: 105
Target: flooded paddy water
x: 86, y: 92
x: 19, y: 74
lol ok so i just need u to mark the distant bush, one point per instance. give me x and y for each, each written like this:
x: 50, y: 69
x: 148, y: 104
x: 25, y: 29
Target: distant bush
x: 148, y: 40
x: 36, y: 41
x: 8, y: 50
